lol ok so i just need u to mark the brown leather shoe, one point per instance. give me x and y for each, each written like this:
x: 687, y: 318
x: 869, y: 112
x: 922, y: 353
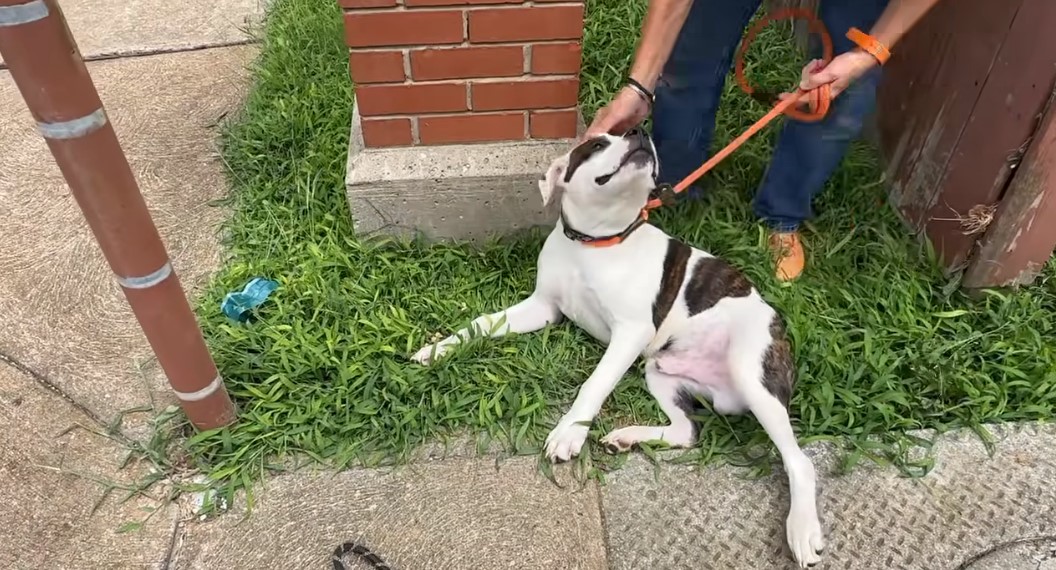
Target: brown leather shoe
x: 789, y: 256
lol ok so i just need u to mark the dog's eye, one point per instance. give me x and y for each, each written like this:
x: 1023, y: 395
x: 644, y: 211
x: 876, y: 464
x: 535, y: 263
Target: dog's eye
x: 598, y: 145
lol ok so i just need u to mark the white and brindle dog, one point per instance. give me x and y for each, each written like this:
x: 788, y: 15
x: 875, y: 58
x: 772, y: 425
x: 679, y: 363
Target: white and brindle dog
x: 702, y: 328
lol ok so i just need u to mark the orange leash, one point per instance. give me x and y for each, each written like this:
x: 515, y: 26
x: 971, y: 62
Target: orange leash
x: 817, y: 100
x: 817, y: 103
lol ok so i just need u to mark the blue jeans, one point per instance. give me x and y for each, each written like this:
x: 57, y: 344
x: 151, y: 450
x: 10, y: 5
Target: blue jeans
x: 806, y: 154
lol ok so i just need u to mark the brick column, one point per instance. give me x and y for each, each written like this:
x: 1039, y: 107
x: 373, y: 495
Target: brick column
x: 438, y: 72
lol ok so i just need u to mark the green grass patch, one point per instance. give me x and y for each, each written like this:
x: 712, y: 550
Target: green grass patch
x: 883, y: 345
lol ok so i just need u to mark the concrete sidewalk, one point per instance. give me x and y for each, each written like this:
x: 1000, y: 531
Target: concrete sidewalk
x: 72, y: 357
x: 112, y: 28
x: 52, y: 464
x: 72, y: 360
x: 474, y: 513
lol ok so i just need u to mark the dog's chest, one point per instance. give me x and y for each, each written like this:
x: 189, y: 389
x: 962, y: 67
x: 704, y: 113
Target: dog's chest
x: 600, y: 289
x: 582, y: 303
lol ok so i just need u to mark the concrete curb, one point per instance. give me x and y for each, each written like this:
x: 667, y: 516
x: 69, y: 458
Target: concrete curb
x: 463, y: 192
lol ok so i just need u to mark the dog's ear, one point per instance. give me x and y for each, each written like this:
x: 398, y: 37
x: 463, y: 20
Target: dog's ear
x: 550, y: 185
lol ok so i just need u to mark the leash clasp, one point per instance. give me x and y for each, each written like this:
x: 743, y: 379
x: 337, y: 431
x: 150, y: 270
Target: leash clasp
x: 665, y: 193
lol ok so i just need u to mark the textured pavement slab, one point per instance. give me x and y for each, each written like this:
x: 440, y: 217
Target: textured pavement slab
x: 873, y: 518
x: 453, y: 514
x: 1024, y: 554
x: 106, y: 28
x: 64, y: 317
x: 48, y: 489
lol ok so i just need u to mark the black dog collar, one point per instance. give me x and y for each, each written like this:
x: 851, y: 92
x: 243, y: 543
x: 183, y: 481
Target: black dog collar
x: 603, y: 241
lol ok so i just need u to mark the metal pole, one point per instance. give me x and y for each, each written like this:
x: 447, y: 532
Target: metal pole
x: 51, y: 75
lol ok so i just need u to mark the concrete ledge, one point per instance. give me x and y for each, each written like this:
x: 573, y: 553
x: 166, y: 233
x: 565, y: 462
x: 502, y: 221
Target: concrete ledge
x: 462, y: 192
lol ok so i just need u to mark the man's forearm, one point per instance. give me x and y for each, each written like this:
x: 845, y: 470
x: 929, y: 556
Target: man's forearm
x: 663, y: 21
x: 898, y: 18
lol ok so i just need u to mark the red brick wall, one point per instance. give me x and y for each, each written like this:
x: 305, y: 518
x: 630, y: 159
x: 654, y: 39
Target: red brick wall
x: 464, y: 71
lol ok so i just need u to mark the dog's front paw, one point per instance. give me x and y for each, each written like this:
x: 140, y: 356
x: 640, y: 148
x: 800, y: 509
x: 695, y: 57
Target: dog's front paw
x: 565, y: 440
x: 429, y: 354
x: 805, y: 538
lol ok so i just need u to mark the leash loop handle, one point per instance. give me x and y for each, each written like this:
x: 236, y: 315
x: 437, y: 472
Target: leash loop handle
x: 817, y: 100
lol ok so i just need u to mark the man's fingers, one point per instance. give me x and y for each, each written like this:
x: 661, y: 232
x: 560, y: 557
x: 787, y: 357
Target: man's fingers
x: 595, y: 130
x: 609, y: 123
x: 815, y: 74
x: 600, y: 125
x: 621, y: 127
x: 624, y: 112
x: 817, y: 80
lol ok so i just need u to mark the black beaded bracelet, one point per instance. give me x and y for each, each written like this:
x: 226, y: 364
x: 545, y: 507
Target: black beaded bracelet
x: 641, y: 90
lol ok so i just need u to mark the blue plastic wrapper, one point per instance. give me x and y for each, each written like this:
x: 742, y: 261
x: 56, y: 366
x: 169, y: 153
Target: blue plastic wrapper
x: 238, y: 305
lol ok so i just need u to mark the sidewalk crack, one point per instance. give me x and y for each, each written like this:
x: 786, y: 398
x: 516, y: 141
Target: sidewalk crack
x: 145, y: 52
x: 53, y: 387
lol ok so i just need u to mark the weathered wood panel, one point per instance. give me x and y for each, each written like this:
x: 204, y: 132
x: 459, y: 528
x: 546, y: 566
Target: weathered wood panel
x: 1022, y: 236
x: 1002, y: 122
x: 960, y: 97
x: 929, y: 92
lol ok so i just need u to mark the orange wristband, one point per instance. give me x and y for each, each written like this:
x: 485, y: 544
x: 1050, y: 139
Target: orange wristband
x: 871, y: 45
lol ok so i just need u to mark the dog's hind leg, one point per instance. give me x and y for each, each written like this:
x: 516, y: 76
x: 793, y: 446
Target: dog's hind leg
x: 678, y: 404
x: 760, y: 365
x: 529, y: 315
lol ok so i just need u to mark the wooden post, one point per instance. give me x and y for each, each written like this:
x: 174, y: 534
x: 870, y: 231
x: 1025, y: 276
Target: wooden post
x: 960, y: 95
x: 1022, y: 236
x: 51, y: 75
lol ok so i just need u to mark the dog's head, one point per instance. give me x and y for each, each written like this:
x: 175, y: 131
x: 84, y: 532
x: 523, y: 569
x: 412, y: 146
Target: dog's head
x: 602, y: 175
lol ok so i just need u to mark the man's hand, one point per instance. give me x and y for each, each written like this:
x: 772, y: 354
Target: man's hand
x: 840, y: 73
x: 626, y: 110
x: 663, y: 21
